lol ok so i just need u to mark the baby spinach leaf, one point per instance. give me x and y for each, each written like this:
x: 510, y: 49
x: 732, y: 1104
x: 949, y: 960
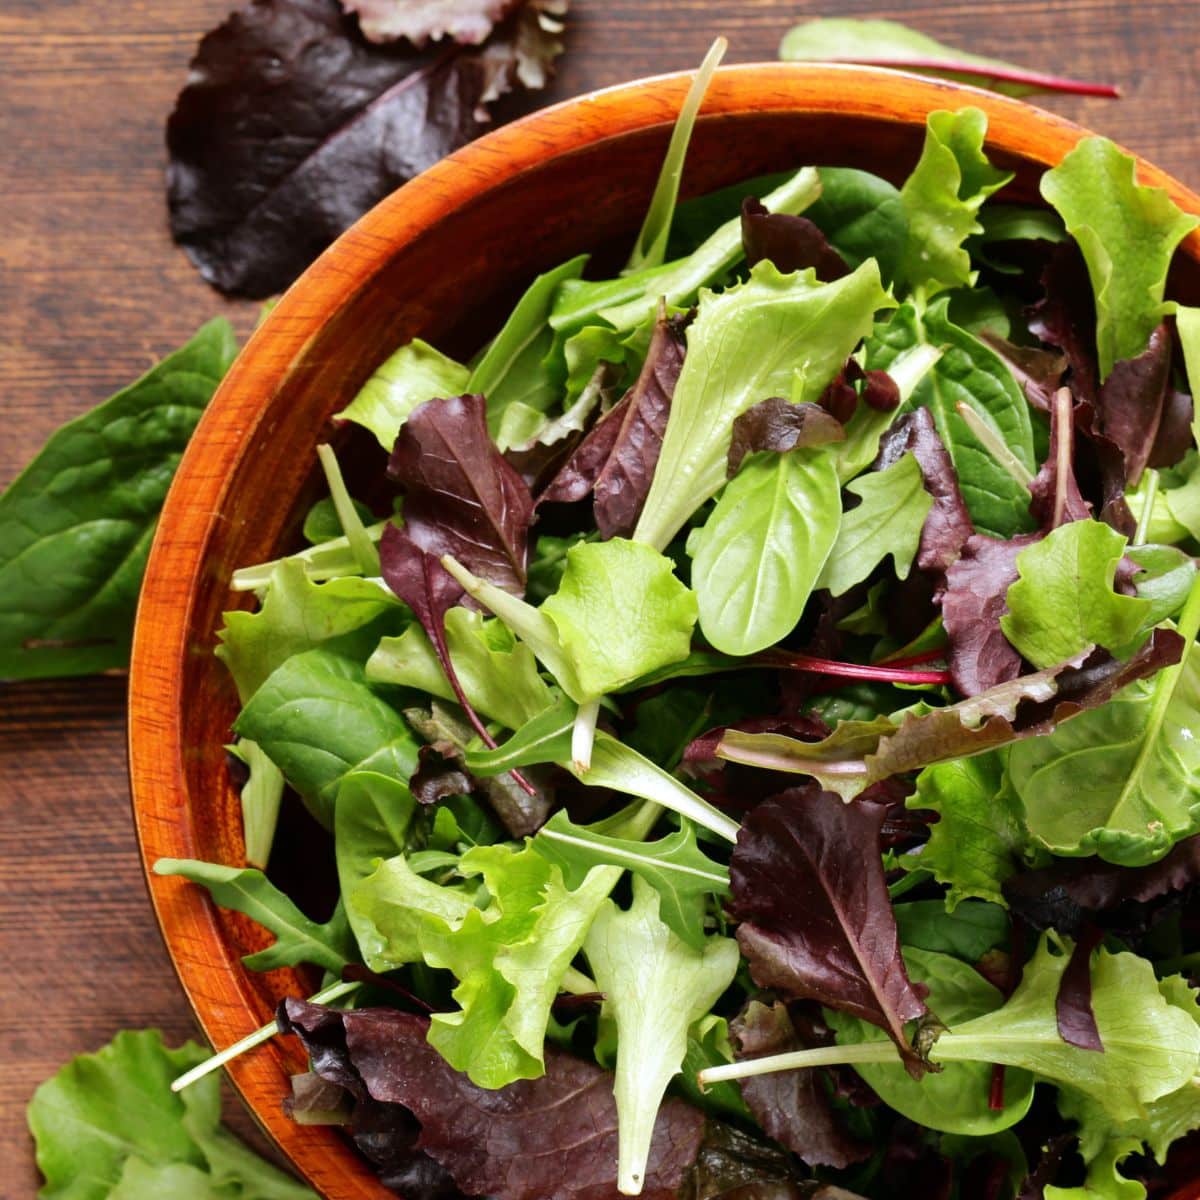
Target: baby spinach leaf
x: 655, y: 986
x: 76, y: 524
x: 405, y: 380
x: 344, y: 616
x: 1064, y: 602
x: 816, y: 919
x: 774, y: 335
x: 862, y: 216
x: 261, y: 796
x: 321, y: 523
x: 1127, y: 232
x: 893, y: 505
x: 967, y: 372
x: 316, y: 719
x: 758, y: 557
x: 942, y: 198
x: 975, y: 844
x: 249, y: 891
x: 955, y: 1099
x: 1122, y: 781
x: 675, y: 866
x: 967, y: 932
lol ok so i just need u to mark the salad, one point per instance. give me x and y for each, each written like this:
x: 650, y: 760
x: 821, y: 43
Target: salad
x: 759, y: 748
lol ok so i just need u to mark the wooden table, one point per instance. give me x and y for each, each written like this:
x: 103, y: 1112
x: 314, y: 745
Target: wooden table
x: 92, y: 291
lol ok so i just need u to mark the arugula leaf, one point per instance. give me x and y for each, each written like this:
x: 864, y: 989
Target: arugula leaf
x: 975, y: 844
x: 405, y: 380
x: 774, y: 335
x: 942, y: 198
x: 261, y: 797
x: 249, y: 891
x: 316, y: 719
x: 76, y: 524
x: 888, y: 520
x: 108, y: 1125
x: 655, y: 986
x: 955, y: 1099
x: 970, y: 373
x: 498, y: 673
x: 1064, y: 602
x: 758, y: 557
x: 1127, y: 232
x: 675, y: 866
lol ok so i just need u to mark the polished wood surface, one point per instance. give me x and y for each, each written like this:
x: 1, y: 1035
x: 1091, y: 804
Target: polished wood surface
x: 91, y: 290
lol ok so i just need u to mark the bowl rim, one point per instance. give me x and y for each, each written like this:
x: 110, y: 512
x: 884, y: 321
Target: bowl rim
x: 217, y: 986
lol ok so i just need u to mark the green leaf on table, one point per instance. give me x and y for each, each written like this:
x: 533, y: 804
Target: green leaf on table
x: 655, y: 987
x: 975, y: 845
x: 758, y: 557
x: 316, y: 718
x: 955, y: 1099
x: 76, y: 524
x: 515, y: 368
x: 942, y: 198
x: 675, y: 866
x: 1127, y: 232
x: 261, y: 796
x: 107, y: 1124
x: 498, y: 674
x: 1121, y: 780
x: 345, y: 616
x: 967, y: 932
x: 774, y: 335
x: 888, y: 520
x: 407, y: 378
x: 249, y: 891
x: 970, y: 373
x: 1064, y: 601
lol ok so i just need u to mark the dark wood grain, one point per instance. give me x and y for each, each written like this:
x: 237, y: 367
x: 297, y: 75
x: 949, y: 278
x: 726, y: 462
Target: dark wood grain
x: 91, y: 291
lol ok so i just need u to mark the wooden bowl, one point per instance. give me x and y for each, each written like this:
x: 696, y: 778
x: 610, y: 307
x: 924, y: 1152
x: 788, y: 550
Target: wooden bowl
x: 438, y: 259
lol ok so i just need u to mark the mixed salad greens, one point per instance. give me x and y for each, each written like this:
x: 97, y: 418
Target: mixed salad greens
x: 760, y: 749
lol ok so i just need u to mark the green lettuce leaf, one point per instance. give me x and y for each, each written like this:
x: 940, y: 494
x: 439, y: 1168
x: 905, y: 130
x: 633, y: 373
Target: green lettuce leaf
x: 1104, y: 1181
x: 76, y: 524
x: 249, y: 891
x: 261, y: 796
x: 888, y: 520
x: 1127, y: 232
x: 655, y: 987
x: 942, y: 198
x: 955, y: 1099
x: 774, y: 335
x: 413, y: 374
x: 1064, y: 602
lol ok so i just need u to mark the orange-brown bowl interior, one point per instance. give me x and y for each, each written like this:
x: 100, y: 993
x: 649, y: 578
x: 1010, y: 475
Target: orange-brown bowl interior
x: 442, y: 259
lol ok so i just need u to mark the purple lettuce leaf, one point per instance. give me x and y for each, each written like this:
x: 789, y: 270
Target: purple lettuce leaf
x: 552, y: 1136
x: 1038, y: 371
x: 577, y: 477
x: 792, y: 243
x: 779, y: 425
x: 816, y: 920
x: 1073, y: 1004
x: 292, y: 125
x: 793, y: 1107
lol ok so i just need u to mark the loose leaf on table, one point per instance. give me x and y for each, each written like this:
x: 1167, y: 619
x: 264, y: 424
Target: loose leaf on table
x: 1064, y: 601
x: 942, y: 198
x: 758, y: 557
x: 955, y: 1099
x: 974, y: 846
x: 1127, y: 232
x: 76, y: 524
x: 405, y: 380
x: 816, y: 919
x: 792, y: 243
x: 860, y: 752
x: 888, y: 520
x: 675, y: 866
x: 108, y: 1124
x: 779, y: 425
x: 317, y: 719
x: 346, y: 123
x: 655, y: 987
x: 793, y: 1107
x: 774, y: 335
x: 246, y: 890
x: 883, y: 43
x: 553, y: 1136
